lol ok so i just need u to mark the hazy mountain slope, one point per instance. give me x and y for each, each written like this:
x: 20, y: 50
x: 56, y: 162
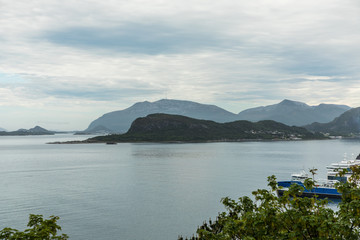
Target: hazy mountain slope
x: 294, y: 113
x: 346, y: 123
x: 165, y: 127
x: 120, y: 121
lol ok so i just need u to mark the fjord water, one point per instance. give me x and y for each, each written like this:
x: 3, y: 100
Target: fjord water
x: 143, y: 191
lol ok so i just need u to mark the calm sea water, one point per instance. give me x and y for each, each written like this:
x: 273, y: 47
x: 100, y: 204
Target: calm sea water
x: 142, y: 191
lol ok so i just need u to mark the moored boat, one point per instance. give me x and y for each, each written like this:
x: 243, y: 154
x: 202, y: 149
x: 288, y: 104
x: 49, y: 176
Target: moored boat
x: 322, y: 189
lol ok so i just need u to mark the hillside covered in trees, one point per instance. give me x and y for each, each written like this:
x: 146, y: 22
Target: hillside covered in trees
x: 165, y: 128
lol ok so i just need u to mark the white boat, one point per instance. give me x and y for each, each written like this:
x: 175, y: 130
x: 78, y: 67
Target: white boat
x: 334, y: 169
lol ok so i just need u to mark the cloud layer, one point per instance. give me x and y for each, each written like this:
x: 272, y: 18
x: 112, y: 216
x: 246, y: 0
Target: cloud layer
x: 59, y: 59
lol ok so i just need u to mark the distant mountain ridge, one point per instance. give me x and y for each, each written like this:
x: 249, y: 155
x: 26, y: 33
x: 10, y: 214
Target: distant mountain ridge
x: 120, y: 121
x: 169, y: 128
x: 294, y: 113
x: 346, y: 124
x: 287, y: 112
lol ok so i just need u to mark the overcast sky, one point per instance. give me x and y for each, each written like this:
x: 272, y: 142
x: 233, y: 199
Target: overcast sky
x: 66, y: 63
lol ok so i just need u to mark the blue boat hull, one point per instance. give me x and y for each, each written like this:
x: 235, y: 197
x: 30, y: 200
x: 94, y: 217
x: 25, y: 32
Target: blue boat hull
x: 319, y: 192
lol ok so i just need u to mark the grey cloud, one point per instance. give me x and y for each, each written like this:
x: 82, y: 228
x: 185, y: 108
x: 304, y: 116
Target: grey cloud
x: 300, y: 58
x: 294, y: 56
x: 99, y: 94
x: 40, y: 87
x: 311, y: 61
x: 151, y: 38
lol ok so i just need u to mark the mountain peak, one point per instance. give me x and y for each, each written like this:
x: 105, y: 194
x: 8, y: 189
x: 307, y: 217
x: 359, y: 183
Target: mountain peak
x: 288, y: 102
x: 37, y: 129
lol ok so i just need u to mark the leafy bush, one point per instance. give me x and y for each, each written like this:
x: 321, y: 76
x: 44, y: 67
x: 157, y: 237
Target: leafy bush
x: 40, y: 229
x: 287, y: 217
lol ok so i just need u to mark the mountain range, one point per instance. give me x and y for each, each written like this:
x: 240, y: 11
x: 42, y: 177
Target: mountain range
x: 288, y: 112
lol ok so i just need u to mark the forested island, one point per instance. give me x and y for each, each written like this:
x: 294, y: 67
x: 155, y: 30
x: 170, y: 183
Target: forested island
x: 176, y: 128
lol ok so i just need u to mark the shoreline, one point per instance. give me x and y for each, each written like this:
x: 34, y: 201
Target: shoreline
x: 89, y: 141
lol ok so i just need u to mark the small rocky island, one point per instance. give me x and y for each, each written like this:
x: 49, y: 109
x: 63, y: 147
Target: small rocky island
x: 176, y: 128
x: 37, y: 130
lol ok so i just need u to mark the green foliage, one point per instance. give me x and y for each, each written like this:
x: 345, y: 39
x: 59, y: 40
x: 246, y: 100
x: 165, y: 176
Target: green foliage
x: 287, y: 217
x: 39, y: 229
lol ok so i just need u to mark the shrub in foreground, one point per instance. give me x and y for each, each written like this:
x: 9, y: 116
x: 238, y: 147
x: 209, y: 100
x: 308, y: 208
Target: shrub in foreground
x: 290, y: 216
x: 39, y: 229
